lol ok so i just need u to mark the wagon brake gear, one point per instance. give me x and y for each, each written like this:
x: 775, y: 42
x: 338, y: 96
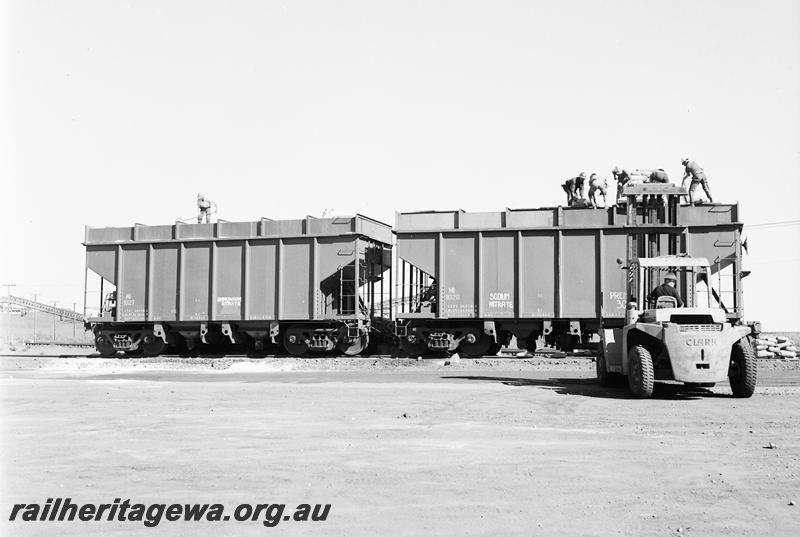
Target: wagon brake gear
x: 353, y: 338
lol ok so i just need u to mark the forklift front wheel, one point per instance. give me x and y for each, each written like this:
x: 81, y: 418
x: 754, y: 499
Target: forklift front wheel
x: 640, y: 372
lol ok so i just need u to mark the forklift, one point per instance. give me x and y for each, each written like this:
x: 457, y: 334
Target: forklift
x: 659, y: 341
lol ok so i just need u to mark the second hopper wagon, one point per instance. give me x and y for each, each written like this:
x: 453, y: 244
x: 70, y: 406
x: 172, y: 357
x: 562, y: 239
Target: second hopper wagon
x: 470, y: 281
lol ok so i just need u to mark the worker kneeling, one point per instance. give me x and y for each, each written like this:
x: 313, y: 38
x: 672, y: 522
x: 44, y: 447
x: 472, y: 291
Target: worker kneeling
x: 666, y: 289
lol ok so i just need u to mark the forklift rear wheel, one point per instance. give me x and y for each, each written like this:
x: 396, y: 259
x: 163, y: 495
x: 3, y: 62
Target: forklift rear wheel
x: 743, y: 371
x: 640, y: 372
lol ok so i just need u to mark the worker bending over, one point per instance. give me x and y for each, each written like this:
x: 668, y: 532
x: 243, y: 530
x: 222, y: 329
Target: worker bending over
x: 574, y: 186
x: 698, y: 176
x: 597, y: 185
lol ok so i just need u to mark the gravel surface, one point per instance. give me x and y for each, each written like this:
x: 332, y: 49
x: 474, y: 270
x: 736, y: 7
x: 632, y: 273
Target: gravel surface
x: 400, y: 447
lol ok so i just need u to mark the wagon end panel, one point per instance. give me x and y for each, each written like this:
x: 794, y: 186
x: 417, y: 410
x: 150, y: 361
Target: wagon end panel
x: 721, y: 245
x: 102, y: 260
x: 415, y: 275
x: 335, y: 288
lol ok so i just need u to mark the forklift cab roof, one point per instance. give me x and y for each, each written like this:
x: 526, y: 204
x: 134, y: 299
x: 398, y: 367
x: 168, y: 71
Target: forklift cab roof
x: 672, y: 261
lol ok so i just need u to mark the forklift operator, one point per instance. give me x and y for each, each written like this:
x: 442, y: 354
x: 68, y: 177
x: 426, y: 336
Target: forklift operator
x: 666, y: 289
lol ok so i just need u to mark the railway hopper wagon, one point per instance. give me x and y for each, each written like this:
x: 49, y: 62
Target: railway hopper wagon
x: 470, y: 282
x: 315, y: 284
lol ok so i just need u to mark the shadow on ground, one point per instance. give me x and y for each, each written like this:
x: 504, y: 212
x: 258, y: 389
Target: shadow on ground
x: 590, y: 388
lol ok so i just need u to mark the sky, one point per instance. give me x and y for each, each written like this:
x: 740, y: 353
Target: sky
x: 117, y: 112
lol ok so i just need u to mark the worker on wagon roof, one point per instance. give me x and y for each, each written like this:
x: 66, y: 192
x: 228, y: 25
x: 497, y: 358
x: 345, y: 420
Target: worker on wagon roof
x: 658, y: 176
x: 622, y: 177
x: 667, y: 289
x: 578, y: 192
x: 597, y: 185
x: 698, y: 176
x: 572, y: 186
x: 203, y: 209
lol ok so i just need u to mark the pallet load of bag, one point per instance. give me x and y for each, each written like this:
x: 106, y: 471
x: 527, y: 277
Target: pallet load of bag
x: 776, y: 347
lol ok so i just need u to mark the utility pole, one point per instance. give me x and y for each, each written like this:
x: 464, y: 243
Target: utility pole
x: 35, y: 296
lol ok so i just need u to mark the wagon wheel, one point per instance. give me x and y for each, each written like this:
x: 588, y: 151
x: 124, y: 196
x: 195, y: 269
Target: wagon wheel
x: 417, y: 348
x: 104, y: 346
x: 152, y: 345
x: 355, y: 347
x: 294, y: 343
x: 479, y: 347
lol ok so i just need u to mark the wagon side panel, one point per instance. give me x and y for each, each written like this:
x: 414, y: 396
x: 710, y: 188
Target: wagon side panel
x: 295, y: 276
x: 228, y: 278
x: 165, y: 282
x: 261, y: 280
x: 497, y: 272
x: 132, y: 288
x: 459, y: 284
x: 538, y: 274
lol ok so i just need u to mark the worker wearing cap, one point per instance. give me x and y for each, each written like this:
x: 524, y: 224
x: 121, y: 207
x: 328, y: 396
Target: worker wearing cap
x: 597, y: 185
x: 578, y: 192
x: 667, y: 289
x: 622, y: 177
x: 698, y: 176
x: 203, y: 209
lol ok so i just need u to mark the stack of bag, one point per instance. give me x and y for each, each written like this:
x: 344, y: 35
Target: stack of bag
x: 776, y: 347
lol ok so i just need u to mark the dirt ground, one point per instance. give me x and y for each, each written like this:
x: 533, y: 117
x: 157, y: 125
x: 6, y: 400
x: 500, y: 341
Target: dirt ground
x: 399, y: 447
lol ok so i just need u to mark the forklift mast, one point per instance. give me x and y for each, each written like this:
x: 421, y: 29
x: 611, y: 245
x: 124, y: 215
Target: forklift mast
x: 652, y: 213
